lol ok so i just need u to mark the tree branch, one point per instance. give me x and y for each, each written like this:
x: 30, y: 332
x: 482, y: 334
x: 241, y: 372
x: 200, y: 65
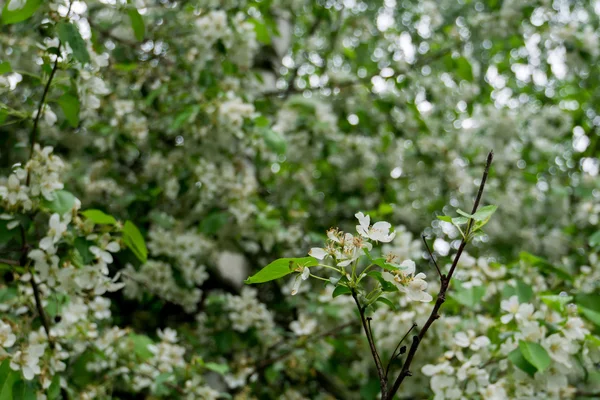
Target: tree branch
x: 432, y: 258
x: 441, y: 297
x: 382, y: 376
x: 387, y: 369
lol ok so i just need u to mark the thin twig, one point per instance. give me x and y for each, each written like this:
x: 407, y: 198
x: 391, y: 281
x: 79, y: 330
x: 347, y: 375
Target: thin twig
x: 10, y: 262
x: 261, y: 365
x: 382, y: 378
x: 432, y: 258
x: 387, y: 369
x: 441, y: 297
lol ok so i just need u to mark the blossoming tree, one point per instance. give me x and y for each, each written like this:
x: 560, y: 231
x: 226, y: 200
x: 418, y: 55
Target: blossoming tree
x: 154, y: 154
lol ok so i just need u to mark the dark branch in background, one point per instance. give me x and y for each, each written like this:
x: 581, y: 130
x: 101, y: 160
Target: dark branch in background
x: 262, y: 365
x: 444, y: 285
x: 442, y: 276
x: 380, y: 372
x: 24, y: 245
x: 33, y: 134
x: 394, y: 355
x: 9, y: 262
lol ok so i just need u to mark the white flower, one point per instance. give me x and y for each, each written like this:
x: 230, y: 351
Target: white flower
x: 560, y: 348
x: 103, y: 254
x: 7, y: 337
x: 413, y: 286
x: 27, y: 360
x: 168, y: 335
x: 574, y: 329
x: 511, y: 306
x: 469, y: 340
x: 304, y: 326
x: 318, y: 253
x: 301, y: 277
x: 379, y: 232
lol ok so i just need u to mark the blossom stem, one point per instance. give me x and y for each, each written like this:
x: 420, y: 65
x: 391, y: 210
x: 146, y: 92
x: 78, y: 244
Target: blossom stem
x: 380, y: 372
x: 318, y: 277
x: 328, y: 266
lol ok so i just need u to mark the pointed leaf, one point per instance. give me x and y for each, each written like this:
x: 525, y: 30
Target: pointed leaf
x: 340, y: 290
x: 535, y: 354
x: 517, y: 358
x: 134, y: 240
x: 69, y: 33
x: 99, y: 217
x: 19, y: 14
x: 280, y: 268
x: 69, y: 105
x: 137, y: 24
x: 484, y: 213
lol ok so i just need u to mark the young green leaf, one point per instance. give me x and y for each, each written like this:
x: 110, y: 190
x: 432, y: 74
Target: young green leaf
x: 99, y: 217
x: 137, y: 24
x: 340, y: 290
x: 62, y: 202
x: 5, y: 67
x: 387, y: 302
x: 484, y: 213
x: 445, y: 218
x: 280, y: 268
x: 20, y: 14
x: 135, y: 241
x: 535, y: 354
x: 517, y: 358
x: 69, y: 33
x: 69, y: 105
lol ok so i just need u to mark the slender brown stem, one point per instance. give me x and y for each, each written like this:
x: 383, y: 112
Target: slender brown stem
x: 9, y: 262
x: 432, y: 258
x: 382, y: 377
x: 394, y: 355
x: 33, y: 134
x: 261, y: 365
x: 441, y: 297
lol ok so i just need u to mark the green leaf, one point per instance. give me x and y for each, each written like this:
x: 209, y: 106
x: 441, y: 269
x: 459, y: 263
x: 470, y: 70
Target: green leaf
x: 6, y: 234
x: 520, y: 362
x: 7, y: 380
x: 5, y: 67
x: 70, y: 107
x: 23, y: 390
x: 54, y: 389
x: 484, y: 213
x: 140, y: 345
x: 543, y: 265
x: 463, y: 69
x: 460, y: 221
x: 589, y: 305
x: 218, y: 368
x: 535, y: 354
x: 135, y: 241
x: 464, y: 214
x: 340, y: 290
x: 386, y: 301
x: 20, y: 14
x: 594, y: 240
x: 388, y: 267
x: 445, y: 218
x: 213, y: 223
x: 137, y: 23
x: 83, y: 248
x: 99, y: 217
x: 385, y: 285
x: 524, y: 292
x: 62, y: 203
x: 262, y: 33
x: 280, y: 268
x: 556, y: 302
x: 69, y: 33
x: 469, y: 297
x: 274, y: 141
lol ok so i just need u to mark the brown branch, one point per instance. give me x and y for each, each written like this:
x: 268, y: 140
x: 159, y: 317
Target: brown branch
x: 382, y: 377
x: 432, y: 258
x: 10, y: 262
x: 441, y: 297
x: 387, y: 369
x: 261, y: 365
